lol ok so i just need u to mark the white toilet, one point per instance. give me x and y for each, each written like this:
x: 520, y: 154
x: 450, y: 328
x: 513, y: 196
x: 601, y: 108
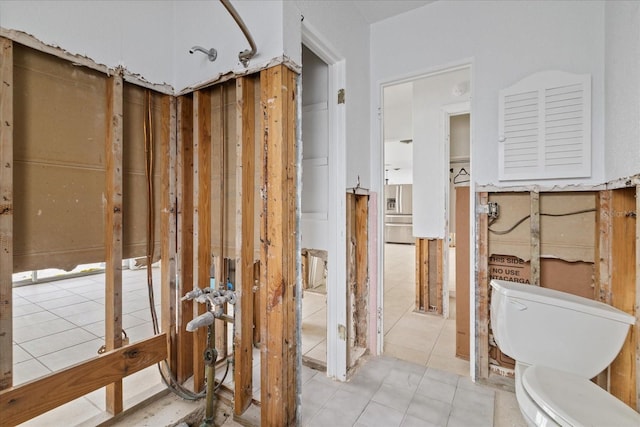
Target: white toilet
x: 560, y: 341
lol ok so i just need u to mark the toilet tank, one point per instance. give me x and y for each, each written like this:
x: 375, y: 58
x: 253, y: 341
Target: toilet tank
x: 540, y: 326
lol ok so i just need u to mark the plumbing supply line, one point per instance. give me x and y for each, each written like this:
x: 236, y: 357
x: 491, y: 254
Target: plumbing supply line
x: 246, y: 54
x: 210, y: 357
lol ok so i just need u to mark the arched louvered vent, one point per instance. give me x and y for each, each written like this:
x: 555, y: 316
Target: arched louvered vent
x: 545, y: 127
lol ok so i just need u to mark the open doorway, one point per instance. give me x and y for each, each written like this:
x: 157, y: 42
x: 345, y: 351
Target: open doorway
x: 315, y: 207
x: 426, y: 128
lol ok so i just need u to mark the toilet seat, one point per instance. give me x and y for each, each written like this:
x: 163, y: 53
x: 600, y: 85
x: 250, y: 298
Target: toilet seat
x: 571, y: 400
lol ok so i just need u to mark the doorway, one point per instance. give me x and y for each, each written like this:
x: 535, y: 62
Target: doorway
x: 426, y: 137
x: 315, y: 216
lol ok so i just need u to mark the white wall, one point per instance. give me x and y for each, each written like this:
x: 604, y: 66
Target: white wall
x: 135, y: 34
x: 505, y: 41
x: 430, y: 157
x: 622, y: 72
x: 153, y: 38
x: 207, y: 23
x: 345, y: 30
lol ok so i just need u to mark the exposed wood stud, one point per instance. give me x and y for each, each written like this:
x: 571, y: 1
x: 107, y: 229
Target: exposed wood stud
x: 636, y: 327
x: 184, y: 183
x: 439, y: 276
x: 603, y: 248
x: 534, y: 197
x: 622, y: 373
x: 244, y: 242
x: 113, y: 232
x: 168, y: 228
x: 422, y: 274
x: 279, y: 361
x: 219, y: 194
x: 31, y: 399
x: 256, y: 304
x: 6, y: 213
x: 482, y: 290
x: 362, y: 267
x: 202, y: 220
x: 357, y: 267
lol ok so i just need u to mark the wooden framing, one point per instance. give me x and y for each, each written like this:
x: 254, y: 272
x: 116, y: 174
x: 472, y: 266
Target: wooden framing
x: 357, y: 274
x: 636, y: 327
x: 534, y: 223
x: 482, y: 290
x: 244, y: 238
x: 219, y: 195
x: 280, y: 358
x: 184, y: 184
x: 168, y: 228
x: 622, y: 372
x: 422, y: 275
x: 202, y: 219
x: 603, y: 248
x: 429, y: 275
x: 29, y: 400
x: 6, y: 213
x: 113, y: 233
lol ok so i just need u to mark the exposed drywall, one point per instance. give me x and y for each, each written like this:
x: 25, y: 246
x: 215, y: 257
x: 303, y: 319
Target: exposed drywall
x: 568, y: 235
x: 505, y: 41
x: 59, y: 172
x: 622, y: 88
x: 431, y: 166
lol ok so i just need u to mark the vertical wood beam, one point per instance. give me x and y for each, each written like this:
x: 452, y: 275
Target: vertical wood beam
x: 534, y: 221
x: 439, y: 276
x: 622, y: 373
x: 168, y: 228
x: 113, y: 232
x: 422, y: 274
x: 184, y: 170
x: 482, y: 290
x: 636, y: 327
x: 244, y: 236
x: 362, y: 269
x: 219, y: 194
x: 257, y: 329
x: 278, y: 249
x: 603, y: 249
x: 201, y: 220
x: 6, y: 213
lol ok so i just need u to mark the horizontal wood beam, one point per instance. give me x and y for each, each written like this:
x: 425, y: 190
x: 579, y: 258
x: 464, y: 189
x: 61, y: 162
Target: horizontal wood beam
x: 19, y: 404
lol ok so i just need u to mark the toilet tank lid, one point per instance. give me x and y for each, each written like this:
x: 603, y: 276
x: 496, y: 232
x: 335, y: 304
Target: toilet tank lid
x: 560, y: 299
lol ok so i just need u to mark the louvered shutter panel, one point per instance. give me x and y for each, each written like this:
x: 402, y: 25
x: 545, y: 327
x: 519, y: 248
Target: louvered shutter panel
x: 545, y: 127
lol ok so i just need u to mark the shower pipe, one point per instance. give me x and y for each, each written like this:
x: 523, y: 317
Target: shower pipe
x: 246, y: 54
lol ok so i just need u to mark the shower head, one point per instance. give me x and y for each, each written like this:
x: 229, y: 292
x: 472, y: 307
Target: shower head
x: 212, y: 54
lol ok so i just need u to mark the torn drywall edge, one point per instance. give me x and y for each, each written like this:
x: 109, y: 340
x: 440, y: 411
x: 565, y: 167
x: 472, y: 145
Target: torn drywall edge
x: 83, y: 61
x: 223, y: 77
x: 491, y: 188
x: 624, y: 182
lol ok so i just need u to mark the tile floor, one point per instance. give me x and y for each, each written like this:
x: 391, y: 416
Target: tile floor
x: 417, y: 382
x: 61, y: 323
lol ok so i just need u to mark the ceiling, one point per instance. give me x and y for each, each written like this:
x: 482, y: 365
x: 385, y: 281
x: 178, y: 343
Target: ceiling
x: 378, y: 10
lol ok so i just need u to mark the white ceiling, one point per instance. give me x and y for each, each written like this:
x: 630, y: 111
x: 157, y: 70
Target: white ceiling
x: 378, y: 10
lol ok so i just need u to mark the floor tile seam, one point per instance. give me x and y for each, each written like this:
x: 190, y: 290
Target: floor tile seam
x: 68, y: 347
x: 49, y: 334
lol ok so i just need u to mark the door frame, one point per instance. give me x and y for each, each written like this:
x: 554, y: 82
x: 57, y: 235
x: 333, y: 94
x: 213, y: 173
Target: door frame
x: 377, y: 173
x: 336, y: 267
x: 449, y: 111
